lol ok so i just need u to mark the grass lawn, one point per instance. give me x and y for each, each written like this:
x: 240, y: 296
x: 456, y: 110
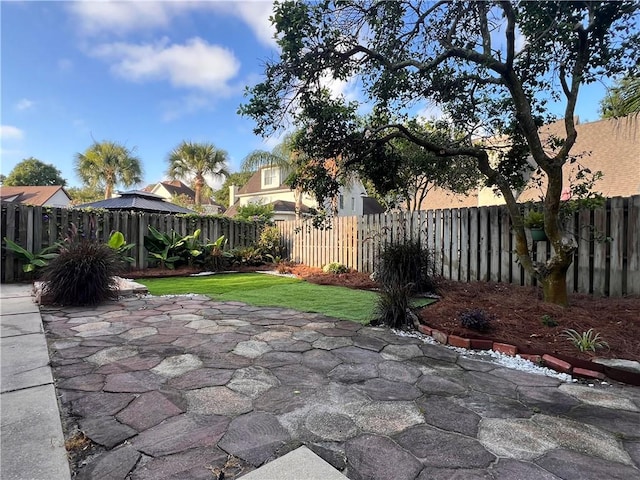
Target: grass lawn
x: 269, y: 290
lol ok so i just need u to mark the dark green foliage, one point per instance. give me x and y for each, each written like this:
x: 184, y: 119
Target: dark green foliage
x: 255, y: 212
x: 392, y: 306
x: 249, y: 256
x: 32, y: 262
x: 548, y: 321
x: 269, y: 241
x: 83, y: 274
x: 34, y: 172
x: 119, y: 245
x: 475, y: 319
x: 404, y: 269
x: 215, y: 257
x: 405, y: 264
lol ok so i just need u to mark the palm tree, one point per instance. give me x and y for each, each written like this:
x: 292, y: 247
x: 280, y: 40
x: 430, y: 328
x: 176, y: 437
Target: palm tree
x: 195, y: 160
x: 283, y: 156
x: 108, y: 163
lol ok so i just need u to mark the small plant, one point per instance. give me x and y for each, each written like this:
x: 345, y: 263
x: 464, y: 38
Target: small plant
x: 475, y: 319
x: 335, y: 268
x: 548, y: 321
x: 121, y: 247
x: 284, y: 267
x: 83, y: 274
x: 216, y: 258
x: 392, y: 307
x: 534, y: 219
x: 164, y: 248
x: 32, y: 261
x: 249, y: 256
x: 585, y: 341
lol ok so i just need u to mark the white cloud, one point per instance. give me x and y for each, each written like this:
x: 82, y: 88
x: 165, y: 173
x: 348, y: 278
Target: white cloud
x: 196, y: 64
x: 255, y: 14
x: 97, y: 17
x: 24, y: 104
x: 9, y: 132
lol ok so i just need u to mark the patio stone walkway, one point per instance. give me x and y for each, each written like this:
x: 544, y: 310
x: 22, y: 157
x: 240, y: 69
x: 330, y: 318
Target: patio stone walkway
x: 183, y: 387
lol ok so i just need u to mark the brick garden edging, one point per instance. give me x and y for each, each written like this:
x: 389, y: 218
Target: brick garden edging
x: 560, y: 363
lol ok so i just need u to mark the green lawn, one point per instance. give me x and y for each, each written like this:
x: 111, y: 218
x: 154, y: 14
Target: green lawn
x: 269, y: 290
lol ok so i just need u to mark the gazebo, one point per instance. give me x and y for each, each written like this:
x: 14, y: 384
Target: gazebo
x: 137, y: 201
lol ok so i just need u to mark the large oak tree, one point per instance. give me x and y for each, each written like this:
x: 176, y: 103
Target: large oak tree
x: 491, y: 67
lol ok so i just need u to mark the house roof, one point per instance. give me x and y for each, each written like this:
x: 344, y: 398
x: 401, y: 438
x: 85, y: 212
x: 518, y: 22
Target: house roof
x: 370, y: 206
x: 176, y: 187
x: 611, y: 146
x: 254, y: 184
x: 138, y: 200
x: 30, y: 195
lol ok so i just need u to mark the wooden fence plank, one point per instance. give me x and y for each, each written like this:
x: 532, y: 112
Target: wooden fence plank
x: 506, y: 248
x: 455, y: 245
x: 464, y: 245
x: 9, y: 230
x: 494, y: 244
x: 633, y: 247
x: 598, y: 268
x: 618, y: 237
x: 483, y: 238
x: 474, y: 244
x: 584, y: 252
x: 446, y: 243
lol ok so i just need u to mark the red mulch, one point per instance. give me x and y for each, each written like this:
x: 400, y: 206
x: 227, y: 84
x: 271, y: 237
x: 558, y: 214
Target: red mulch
x: 517, y: 312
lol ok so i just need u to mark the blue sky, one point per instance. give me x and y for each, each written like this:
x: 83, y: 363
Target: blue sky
x: 145, y: 74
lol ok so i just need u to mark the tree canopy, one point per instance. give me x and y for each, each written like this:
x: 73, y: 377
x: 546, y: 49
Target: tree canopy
x: 490, y: 67
x: 623, y: 99
x: 191, y: 161
x: 32, y: 171
x: 108, y: 164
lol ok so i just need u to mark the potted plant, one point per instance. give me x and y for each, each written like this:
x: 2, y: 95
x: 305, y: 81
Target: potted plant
x: 534, y: 221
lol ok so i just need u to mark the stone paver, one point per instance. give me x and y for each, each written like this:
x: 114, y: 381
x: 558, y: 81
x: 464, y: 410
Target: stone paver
x: 186, y: 387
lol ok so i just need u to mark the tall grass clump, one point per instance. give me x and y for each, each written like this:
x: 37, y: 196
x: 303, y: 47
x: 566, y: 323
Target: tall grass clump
x: 82, y: 274
x: 404, y: 270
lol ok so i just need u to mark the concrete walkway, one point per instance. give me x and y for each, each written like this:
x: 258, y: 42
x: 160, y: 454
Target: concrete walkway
x: 32, y: 444
x: 187, y: 388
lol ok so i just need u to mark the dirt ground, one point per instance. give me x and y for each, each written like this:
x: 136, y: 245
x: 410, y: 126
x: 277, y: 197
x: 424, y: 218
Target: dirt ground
x: 517, y: 313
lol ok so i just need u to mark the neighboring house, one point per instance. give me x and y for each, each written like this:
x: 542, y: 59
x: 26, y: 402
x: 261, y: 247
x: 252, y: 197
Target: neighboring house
x: 267, y: 186
x: 170, y: 189
x: 40, y: 196
x: 137, y: 201
x: 611, y: 146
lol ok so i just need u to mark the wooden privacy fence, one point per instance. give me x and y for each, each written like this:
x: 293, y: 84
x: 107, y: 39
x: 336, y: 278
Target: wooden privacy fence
x: 477, y: 244
x: 35, y: 228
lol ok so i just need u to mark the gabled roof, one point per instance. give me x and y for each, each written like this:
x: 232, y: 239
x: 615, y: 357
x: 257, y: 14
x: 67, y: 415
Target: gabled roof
x: 138, y: 200
x: 176, y: 187
x: 370, y: 206
x: 31, y: 195
x: 254, y: 184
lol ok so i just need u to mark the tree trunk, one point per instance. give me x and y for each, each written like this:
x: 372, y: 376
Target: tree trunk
x: 197, y: 186
x: 297, y: 196
x: 108, y: 191
x: 554, y: 286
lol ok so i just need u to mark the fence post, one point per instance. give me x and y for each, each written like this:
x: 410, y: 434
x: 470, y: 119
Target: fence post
x: 616, y: 271
x: 633, y: 247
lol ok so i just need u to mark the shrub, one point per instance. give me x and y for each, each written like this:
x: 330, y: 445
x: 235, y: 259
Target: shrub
x: 269, y: 241
x: 392, y: 305
x: 335, y: 268
x: 32, y: 262
x: 405, y: 264
x: 83, y: 274
x: 589, y: 340
x: 475, y: 319
x: 548, y: 321
x: 249, y: 256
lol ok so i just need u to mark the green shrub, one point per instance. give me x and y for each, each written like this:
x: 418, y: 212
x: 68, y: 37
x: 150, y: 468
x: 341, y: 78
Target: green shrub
x: 216, y: 258
x: 32, y: 262
x: 83, y: 274
x: 269, y: 241
x: 118, y: 243
x: 255, y: 212
x: 548, y: 321
x: 249, y: 256
x: 475, y: 319
x: 406, y: 264
x: 335, y: 268
x: 392, y: 306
